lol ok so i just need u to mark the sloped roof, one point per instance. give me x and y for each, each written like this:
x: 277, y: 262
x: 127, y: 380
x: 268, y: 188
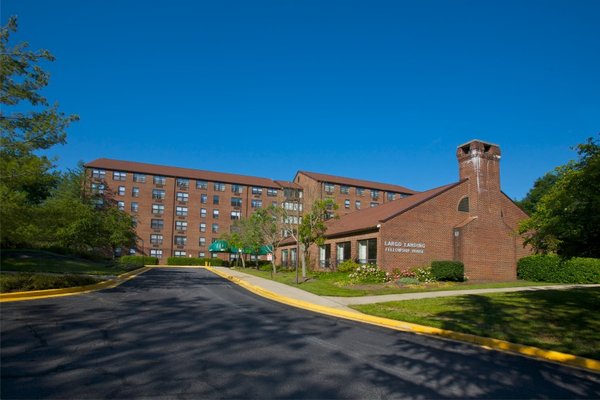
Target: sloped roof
x: 161, y: 170
x: 287, y: 184
x: 369, y: 218
x: 340, y: 180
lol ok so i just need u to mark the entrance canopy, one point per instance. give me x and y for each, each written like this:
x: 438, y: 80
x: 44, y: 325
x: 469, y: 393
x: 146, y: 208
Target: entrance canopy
x: 222, y: 246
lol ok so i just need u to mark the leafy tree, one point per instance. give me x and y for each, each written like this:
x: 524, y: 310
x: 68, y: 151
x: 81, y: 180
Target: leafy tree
x: 540, y: 187
x: 268, y: 222
x: 567, y: 218
x: 312, y: 227
x: 246, y: 236
x: 26, y: 178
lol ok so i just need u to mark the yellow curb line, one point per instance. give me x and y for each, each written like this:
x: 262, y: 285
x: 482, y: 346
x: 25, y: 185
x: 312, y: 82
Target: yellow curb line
x: 43, y: 294
x: 489, y: 343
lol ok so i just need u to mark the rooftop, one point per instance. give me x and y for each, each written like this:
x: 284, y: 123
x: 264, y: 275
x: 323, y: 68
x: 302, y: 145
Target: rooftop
x: 340, y: 180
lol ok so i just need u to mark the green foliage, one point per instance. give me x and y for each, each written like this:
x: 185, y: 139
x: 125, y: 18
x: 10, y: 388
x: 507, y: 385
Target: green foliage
x: 424, y: 274
x: 409, y: 281
x: 138, y: 261
x: 215, y: 262
x: 551, y: 268
x: 566, y: 220
x: 540, y: 187
x: 26, y: 282
x: 347, y: 266
x: 368, y: 273
x: 448, y: 271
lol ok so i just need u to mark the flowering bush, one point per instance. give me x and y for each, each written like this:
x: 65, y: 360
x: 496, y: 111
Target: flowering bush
x: 369, y: 273
x: 424, y: 275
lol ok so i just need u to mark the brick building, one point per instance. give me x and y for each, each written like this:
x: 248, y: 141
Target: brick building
x: 470, y: 220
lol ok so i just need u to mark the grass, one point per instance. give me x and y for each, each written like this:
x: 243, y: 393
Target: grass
x: 561, y: 320
x: 335, y: 284
x: 26, y: 282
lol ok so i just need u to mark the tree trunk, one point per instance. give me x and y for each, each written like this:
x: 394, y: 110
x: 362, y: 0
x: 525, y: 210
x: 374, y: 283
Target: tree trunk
x: 303, y: 251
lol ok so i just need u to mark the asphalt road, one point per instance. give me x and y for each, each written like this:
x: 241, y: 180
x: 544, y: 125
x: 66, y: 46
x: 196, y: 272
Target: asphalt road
x: 186, y: 333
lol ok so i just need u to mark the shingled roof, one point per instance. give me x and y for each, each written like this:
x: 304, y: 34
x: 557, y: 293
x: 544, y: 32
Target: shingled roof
x: 369, y: 218
x: 340, y: 180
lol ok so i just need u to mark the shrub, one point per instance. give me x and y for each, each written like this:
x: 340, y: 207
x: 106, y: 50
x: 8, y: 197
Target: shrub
x: 551, y: 268
x: 347, y: 266
x: 448, y: 270
x: 215, y: 262
x: 424, y: 274
x: 368, y: 273
x: 26, y: 282
x: 138, y: 261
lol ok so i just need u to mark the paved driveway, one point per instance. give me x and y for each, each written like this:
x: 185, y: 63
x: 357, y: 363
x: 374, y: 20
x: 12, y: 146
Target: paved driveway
x: 185, y: 333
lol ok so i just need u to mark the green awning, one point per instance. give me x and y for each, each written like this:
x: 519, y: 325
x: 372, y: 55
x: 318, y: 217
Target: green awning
x: 220, y: 246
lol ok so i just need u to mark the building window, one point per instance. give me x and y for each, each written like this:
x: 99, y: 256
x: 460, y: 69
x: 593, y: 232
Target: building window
x: 329, y: 187
x: 135, y: 207
x: 360, y: 191
x: 201, y: 254
x: 236, y: 188
x: 180, y: 240
x: 99, y: 174
x: 374, y: 204
x: 157, y: 223
x: 158, y: 209
x: 203, y: 212
x: 139, y: 178
x: 119, y: 176
x: 121, y: 191
x: 391, y: 196
x: 180, y: 253
x: 344, y: 189
x: 256, y: 203
x: 271, y: 192
x: 203, y: 198
x: 325, y: 256
x: 256, y: 190
x: 374, y: 194
x: 156, y: 239
x: 98, y: 188
x: 347, y: 203
x: 215, y: 214
x: 134, y: 222
x: 367, y: 251
x: 183, y: 183
x: 181, y: 211
x: 236, y: 202
x: 215, y: 228
x: 202, y: 242
x: 156, y: 253
x: 292, y: 206
x: 202, y: 227
x: 159, y: 180
x: 183, y: 196
x: 216, y: 199
x: 201, y: 185
x: 181, y: 225
x: 463, y: 206
x: 236, y: 215
x: 343, y: 252
x: 284, y: 258
x: 135, y: 192
x: 121, y: 205
x: 158, y: 194
x: 219, y: 187
x: 357, y: 204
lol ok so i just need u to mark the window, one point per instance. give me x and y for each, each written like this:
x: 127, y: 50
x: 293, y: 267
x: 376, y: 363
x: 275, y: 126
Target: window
x: 463, y: 206
x: 135, y: 192
x: 215, y: 228
x: 236, y: 202
x: 156, y: 239
x: 135, y: 207
x: 236, y: 215
x: 329, y: 187
x: 139, y: 178
x: 119, y: 176
x: 256, y: 190
x: 180, y: 253
x: 201, y: 254
x: 344, y: 189
x: 121, y: 205
x: 357, y: 204
x: 203, y: 212
x: 98, y: 174
x: 236, y: 188
x: 98, y: 188
x: 202, y: 242
x: 183, y: 196
x: 158, y: 209
x: 284, y: 257
x: 325, y: 256
x: 256, y: 203
x: 134, y: 222
x: 343, y: 252
x: 201, y: 185
x: 183, y: 183
x: 216, y: 199
x: 157, y: 223
x: 181, y: 211
x: 158, y: 194
x: 203, y: 198
x: 159, y: 180
x: 219, y: 187
x: 290, y: 193
x: 121, y: 191
x: 347, y: 203
x: 292, y: 206
x: 367, y: 251
x: 180, y: 240
x: 391, y: 196
x: 202, y: 227
x: 181, y: 225
x: 374, y: 204
x: 360, y: 191
x: 215, y: 214
x: 156, y: 253
x: 374, y: 194
x: 271, y: 192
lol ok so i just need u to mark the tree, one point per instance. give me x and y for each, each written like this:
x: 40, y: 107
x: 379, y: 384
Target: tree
x: 567, y: 218
x: 246, y: 237
x: 540, y: 187
x: 26, y: 178
x: 268, y: 222
x: 312, y: 227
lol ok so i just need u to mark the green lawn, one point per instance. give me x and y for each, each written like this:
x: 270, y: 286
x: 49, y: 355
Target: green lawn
x: 561, y: 320
x: 335, y: 284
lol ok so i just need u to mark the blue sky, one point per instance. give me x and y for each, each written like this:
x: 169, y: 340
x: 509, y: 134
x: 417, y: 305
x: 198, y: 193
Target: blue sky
x: 378, y: 90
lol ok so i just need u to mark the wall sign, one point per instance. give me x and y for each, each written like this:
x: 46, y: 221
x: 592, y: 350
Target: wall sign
x: 404, y: 247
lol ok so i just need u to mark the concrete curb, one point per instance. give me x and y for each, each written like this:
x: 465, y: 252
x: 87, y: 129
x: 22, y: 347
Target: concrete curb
x: 488, y: 343
x: 43, y: 294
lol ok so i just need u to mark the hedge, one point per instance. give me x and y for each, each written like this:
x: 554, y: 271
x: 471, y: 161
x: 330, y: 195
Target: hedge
x: 138, y: 261
x: 551, y: 268
x: 194, y: 261
x: 448, y: 270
